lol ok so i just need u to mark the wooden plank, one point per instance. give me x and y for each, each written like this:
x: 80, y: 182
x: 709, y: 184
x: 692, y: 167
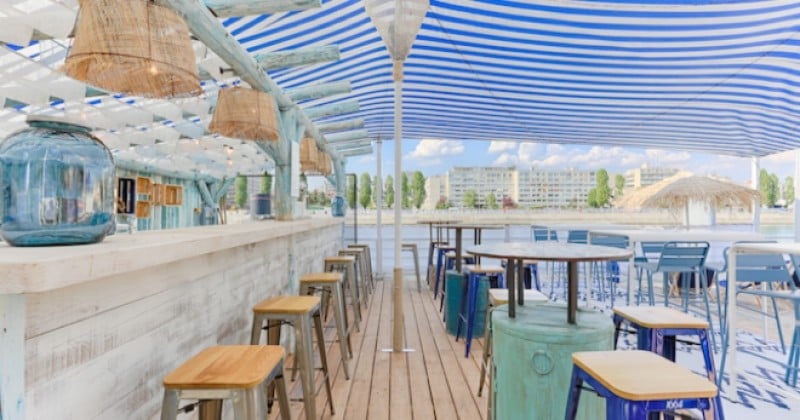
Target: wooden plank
x: 12, y: 361
x: 421, y: 398
x: 336, y: 108
x: 226, y: 8
x: 379, y: 391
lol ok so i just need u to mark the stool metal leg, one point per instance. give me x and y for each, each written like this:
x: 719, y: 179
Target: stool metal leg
x: 354, y: 295
x: 574, y: 396
x: 416, y: 267
x: 169, y: 408
x: 323, y: 358
x: 283, y: 399
x: 341, y: 328
x: 303, y: 350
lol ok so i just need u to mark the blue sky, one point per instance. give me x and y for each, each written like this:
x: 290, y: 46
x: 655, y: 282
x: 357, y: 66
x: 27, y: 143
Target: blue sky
x: 435, y: 157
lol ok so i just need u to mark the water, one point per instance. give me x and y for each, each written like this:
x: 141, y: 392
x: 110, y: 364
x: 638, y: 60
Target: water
x: 419, y: 234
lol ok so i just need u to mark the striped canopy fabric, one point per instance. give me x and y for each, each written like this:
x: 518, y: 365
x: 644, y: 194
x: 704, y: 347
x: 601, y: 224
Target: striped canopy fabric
x: 718, y: 76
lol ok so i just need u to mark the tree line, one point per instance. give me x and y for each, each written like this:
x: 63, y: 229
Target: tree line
x: 412, y: 191
x: 772, y: 191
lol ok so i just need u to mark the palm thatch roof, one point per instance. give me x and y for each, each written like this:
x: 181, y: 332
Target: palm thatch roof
x: 678, y: 190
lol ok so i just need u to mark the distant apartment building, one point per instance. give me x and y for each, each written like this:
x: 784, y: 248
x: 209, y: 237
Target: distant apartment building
x: 645, y: 175
x: 483, y: 180
x: 554, y: 188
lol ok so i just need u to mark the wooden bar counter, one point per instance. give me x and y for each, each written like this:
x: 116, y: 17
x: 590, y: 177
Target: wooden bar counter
x: 88, y: 332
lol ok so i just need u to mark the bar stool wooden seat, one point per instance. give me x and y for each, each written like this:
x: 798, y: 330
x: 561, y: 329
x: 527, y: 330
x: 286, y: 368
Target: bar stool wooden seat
x: 499, y: 297
x: 657, y: 327
x: 411, y: 247
x: 237, y: 373
x: 359, y: 280
x: 637, y: 382
x: 347, y: 265
x: 297, y: 311
x: 368, y: 256
x: 331, y: 283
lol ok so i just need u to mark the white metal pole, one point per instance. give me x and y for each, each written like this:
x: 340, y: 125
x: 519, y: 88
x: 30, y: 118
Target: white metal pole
x: 379, y: 204
x: 755, y: 170
x: 397, y: 341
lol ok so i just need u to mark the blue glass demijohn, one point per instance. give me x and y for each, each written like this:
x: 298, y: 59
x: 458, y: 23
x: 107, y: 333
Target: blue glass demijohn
x: 57, y: 185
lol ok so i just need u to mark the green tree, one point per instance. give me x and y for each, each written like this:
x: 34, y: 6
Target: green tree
x: 405, y: 191
x: 470, y: 199
x: 365, y: 193
x: 788, y: 190
x: 388, y: 191
x: 619, y: 185
x: 241, y: 191
x: 602, y: 191
x: 351, y: 192
x: 591, y: 200
x: 768, y: 185
x: 418, y: 193
x: 266, y: 182
x: 491, y: 201
x: 442, y: 204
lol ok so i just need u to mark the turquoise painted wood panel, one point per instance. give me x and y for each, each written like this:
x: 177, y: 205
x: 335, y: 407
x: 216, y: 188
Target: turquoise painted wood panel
x: 168, y: 217
x: 532, y: 359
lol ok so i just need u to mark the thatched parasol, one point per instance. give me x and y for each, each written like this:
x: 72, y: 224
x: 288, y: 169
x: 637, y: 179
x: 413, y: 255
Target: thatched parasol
x: 680, y: 189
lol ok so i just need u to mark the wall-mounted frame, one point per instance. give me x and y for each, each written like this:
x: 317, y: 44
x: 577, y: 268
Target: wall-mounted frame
x: 144, y: 185
x: 173, y: 195
x: 126, y: 195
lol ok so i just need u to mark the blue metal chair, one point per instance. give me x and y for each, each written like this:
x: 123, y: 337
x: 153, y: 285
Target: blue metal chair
x: 651, y: 250
x: 609, y: 270
x: 769, y: 269
x: 543, y: 233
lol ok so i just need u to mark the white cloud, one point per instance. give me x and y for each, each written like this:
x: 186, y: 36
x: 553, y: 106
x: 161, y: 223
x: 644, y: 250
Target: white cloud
x: 779, y: 158
x: 505, y: 159
x: 428, y: 149
x: 497, y: 146
x: 367, y: 159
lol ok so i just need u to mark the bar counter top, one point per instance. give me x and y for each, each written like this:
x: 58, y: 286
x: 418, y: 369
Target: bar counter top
x: 42, y: 269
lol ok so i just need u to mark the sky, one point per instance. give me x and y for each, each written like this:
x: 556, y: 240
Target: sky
x: 435, y: 157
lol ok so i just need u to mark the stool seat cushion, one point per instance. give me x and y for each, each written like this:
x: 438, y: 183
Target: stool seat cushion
x: 483, y: 269
x: 659, y: 317
x: 340, y: 259
x: 500, y: 296
x: 326, y: 277
x: 224, y: 367
x: 640, y: 375
x: 288, y: 305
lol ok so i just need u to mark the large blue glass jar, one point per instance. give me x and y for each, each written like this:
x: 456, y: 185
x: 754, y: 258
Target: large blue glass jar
x: 56, y: 185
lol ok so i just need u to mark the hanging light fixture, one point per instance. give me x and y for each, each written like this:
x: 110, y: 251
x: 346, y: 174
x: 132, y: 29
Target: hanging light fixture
x: 245, y: 114
x: 309, y: 155
x: 135, y: 47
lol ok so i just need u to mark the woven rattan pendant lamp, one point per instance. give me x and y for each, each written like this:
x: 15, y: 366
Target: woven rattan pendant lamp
x: 134, y: 47
x: 245, y: 114
x: 309, y: 155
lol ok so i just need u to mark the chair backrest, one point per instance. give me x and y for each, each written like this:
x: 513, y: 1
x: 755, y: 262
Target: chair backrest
x: 761, y: 268
x: 612, y: 241
x: 683, y: 256
x: 543, y: 233
x: 578, y: 236
x: 652, y: 249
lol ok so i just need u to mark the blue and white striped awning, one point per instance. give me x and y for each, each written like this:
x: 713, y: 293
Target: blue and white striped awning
x: 719, y: 76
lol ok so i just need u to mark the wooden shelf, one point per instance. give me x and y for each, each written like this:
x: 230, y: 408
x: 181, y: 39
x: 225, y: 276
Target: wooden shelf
x: 144, y: 185
x: 173, y: 195
x: 143, y: 209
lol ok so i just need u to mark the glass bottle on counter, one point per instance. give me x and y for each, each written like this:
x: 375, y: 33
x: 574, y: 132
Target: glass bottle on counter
x: 57, y: 185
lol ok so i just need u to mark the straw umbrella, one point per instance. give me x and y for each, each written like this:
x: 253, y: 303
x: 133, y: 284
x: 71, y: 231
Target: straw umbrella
x: 678, y: 191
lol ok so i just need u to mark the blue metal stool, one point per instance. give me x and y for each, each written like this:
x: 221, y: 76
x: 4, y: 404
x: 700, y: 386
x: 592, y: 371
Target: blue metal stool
x: 656, y: 329
x: 636, y: 383
x: 440, y: 253
x: 469, y: 300
x: 450, y: 264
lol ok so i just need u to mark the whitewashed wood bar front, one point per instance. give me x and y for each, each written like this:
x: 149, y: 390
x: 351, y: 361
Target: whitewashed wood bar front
x: 88, y: 332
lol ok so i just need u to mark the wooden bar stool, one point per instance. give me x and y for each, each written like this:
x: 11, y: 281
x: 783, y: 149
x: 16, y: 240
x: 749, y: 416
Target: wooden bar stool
x: 469, y: 298
x: 331, y: 283
x: 298, y: 312
x: 360, y: 282
x: 347, y: 265
x: 368, y: 255
x: 499, y: 297
x: 413, y: 249
x: 236, y: 373
x: 657, y: 327
x: 637, y: 382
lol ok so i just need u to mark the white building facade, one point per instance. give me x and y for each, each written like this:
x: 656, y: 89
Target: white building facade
x: 645, y: 175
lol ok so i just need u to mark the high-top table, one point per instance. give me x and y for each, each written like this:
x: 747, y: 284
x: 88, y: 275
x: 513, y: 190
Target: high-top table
x: 431, y: 223
x: 665, y: 235
x: 459, y: 228
x: 515, y: 252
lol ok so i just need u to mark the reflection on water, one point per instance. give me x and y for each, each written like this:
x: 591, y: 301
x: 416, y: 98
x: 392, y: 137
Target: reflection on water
x: 420, y: 235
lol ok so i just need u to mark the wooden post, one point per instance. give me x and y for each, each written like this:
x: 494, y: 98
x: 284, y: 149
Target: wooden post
x: 12, y: 357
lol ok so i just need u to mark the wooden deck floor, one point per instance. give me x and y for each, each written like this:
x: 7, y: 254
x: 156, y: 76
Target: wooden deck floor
x: 435, y: 381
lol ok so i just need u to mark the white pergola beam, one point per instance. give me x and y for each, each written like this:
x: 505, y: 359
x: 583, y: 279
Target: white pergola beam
x: 227, y: 8
x: 300, y: 57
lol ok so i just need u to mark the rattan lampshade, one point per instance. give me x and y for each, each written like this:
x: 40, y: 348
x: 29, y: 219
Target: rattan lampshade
x: 324, y: 164
x: 135, y: 47
x: 308, y: 154
x: 246, y: 114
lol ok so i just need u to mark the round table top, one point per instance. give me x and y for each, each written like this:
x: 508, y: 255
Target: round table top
x: 469, y: 226
x: 549, y: 251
